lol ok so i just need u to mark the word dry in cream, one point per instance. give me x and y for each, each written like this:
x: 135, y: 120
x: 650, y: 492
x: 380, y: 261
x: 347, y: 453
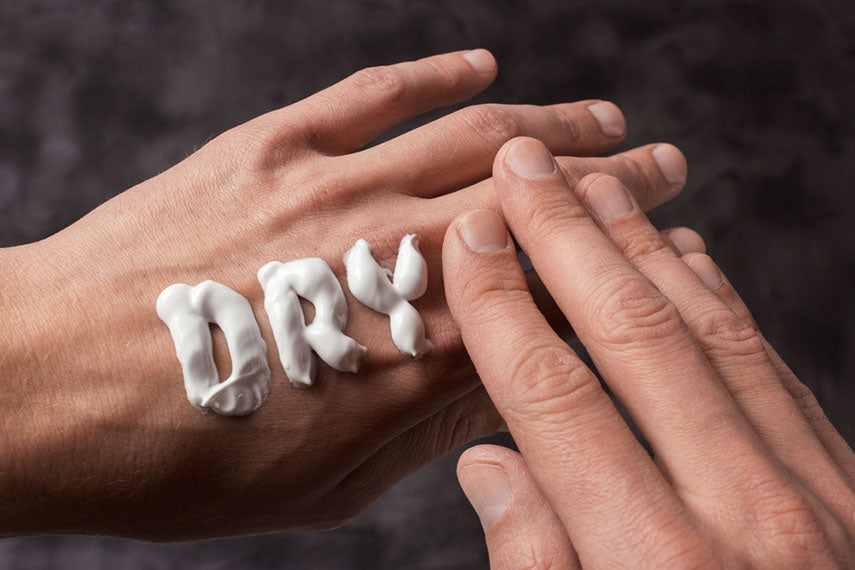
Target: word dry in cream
x: 314, y: 280
x: 187, y: 311
x: 371, y: 284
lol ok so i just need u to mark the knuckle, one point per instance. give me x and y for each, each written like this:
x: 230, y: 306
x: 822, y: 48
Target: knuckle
x: 447, y: 75
x: 545, y: 215
x: 384, y: 80
x: 494, y: 123
x: 720, y: 331
x: 548, y: 381
x: 643, y: 244
x: 569, y: 123
x: 679, y: 549
x: 788, y: 525
x: 633, y: 314
x: 641, y: 176
x: 488, y: 295
x: 261, y: 147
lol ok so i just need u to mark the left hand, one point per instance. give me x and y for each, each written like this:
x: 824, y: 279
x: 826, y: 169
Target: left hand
x: 104, y: 440
x: 748, y: 470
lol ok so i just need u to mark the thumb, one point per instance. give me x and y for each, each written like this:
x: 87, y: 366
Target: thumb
x: 520, y: 527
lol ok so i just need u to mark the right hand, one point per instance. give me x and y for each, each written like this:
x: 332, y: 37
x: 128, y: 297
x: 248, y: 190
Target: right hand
x: 748, y: 471
x: 105, y: 440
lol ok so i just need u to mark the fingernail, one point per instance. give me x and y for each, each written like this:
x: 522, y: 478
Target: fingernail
x: 488, y: 489
x: 686, y: 241
x: 671, y: 163
x: 529, y: 158
x: 609, y: 118
x: 705, y: 268
x: 608, y: 198
x: 484, y: 230
x: 481, y: 60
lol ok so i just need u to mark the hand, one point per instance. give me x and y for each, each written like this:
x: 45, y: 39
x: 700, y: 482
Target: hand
x: 101, y: 438
x: 748, y: 471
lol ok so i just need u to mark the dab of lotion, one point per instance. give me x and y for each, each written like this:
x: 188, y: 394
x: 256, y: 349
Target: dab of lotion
x: 314, y: 280
x: 187, y: 311
x: 371, y: 284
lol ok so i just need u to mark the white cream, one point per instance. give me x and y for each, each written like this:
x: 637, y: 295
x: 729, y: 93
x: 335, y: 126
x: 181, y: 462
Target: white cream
x: 314, y: 280
x: 187, y: 311
x: 371, y: 284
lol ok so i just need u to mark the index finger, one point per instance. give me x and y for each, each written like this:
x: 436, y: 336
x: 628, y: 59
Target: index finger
x: 363, y: 106
x: 583, y: 455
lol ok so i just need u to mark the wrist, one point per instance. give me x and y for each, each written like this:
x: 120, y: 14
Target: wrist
x: 51, y: 409
x: 20, y: 379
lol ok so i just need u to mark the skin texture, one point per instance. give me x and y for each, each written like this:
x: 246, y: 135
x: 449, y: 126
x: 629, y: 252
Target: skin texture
x: 746, y: 469
x: 99, y: 437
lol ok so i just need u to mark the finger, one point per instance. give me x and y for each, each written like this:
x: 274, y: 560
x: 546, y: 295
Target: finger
x: 520, y: 527
x: 830, y: 438
x: 654, y: 174
x: 634, y: 334
x: 730, y: 344
x: 458, y: 149
x: 681, y: 240
x: 564, y: 423
x: 468, y: 418
x: 360, y: 108
x: 684, y: 240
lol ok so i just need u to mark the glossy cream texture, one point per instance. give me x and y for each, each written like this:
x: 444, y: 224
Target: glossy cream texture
x: 187, y: 311
x: 390, y: 293
x: 314, y: 280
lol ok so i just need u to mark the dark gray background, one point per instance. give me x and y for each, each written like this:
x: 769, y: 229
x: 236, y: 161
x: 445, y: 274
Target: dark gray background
x: 96, y: 96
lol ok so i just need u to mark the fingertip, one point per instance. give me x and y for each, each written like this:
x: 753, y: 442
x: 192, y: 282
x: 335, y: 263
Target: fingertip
x: 706, y: 269
x: 685, y: 240
x: 610, y: 118
x: 473, y: 247
x: 672, y: 165
x: 527, y: 158
x: 488, y: 488
x: 483, y: 230
x: 482, y: 61
x: 501, y: 154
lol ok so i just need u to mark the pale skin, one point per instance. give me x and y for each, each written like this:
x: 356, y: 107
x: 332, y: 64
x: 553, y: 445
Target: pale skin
x: 98, y: 435
x: 747, y: 471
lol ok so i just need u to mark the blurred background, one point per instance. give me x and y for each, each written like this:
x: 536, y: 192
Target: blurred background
x: 98, y: 95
